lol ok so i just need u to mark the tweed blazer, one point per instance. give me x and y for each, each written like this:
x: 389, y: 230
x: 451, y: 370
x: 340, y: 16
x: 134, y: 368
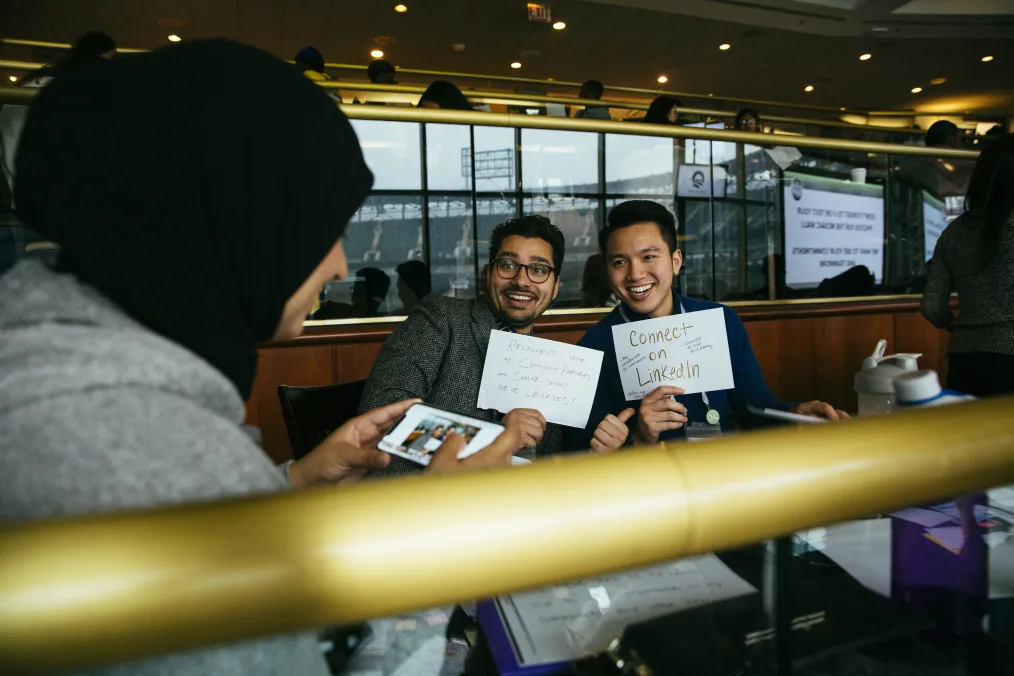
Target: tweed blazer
x: 437, y: 354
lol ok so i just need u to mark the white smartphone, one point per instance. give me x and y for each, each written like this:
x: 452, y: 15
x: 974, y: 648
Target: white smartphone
x: 423, y: 428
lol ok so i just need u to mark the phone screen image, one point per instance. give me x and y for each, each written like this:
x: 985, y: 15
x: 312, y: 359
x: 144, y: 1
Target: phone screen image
x: 423, y: 429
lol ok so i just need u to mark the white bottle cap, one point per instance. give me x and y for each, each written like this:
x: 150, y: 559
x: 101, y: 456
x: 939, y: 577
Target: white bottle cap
x: 916, y: 386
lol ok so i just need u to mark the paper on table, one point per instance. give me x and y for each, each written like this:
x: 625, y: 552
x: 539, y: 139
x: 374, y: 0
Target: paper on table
x: 557, y: 379
x: 688, y: 350
x: 923, y: 517
x: 783, y: 156
x: 863, y: 550
x: 550, y: 626
x: 951, y: 537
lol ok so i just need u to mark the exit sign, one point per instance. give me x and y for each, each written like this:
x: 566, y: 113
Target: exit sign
x: 538, y: 13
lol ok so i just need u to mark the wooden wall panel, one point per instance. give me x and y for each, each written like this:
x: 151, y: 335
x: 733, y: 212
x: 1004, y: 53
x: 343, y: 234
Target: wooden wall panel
x: 302, y: 366
x: 784, y: 349
x: 840, y: 345
x: 806, y: 351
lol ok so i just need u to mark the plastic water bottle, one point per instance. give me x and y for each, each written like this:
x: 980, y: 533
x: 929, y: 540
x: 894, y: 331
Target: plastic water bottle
x: 875, y: 383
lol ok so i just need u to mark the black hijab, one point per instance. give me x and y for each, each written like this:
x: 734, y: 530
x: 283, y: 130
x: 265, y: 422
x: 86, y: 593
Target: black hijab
x: 197, y: 186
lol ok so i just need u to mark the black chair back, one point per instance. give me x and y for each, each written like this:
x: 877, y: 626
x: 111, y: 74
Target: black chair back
x: 312, y: 413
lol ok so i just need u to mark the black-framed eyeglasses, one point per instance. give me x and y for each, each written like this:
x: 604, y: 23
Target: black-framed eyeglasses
x: 508, y: 268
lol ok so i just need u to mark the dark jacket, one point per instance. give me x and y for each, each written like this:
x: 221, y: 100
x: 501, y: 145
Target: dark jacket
x: 437, y: 354
x: 730, y: 404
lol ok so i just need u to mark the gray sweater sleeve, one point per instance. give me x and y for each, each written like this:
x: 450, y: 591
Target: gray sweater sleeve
x: 410, y: 360
x: 936, y: 297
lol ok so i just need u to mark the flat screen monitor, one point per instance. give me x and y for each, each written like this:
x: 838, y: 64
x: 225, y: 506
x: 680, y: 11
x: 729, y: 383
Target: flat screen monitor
x: 831, y: 225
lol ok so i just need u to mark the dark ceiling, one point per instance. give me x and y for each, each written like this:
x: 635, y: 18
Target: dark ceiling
x: 778, y: 46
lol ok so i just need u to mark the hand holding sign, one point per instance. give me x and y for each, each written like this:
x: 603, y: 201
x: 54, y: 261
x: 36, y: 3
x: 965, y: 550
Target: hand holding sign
x: 660, y: 413
x: 529, y: 424
x: 688, y: 350
x: 556, y: 379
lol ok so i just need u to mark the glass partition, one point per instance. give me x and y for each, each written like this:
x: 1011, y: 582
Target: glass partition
x: 756, y: 223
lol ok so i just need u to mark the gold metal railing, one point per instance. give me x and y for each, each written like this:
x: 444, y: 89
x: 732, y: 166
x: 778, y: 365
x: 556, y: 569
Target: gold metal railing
x: 406, y: 114
x: 122, y: 586
x: 502, y: 78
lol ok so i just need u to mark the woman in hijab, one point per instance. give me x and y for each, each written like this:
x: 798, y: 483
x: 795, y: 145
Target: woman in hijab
x: 198, y: 194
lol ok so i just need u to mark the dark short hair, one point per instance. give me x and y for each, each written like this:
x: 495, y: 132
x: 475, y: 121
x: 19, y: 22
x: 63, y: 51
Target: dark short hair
x: 446, y: 95
x: 941, y: 133
x: 378, y: 68
x: 416, y: 275
x: 94, y: 43
x: 635, y: 212
x: 592, y: 89
x: 742, y: 114
x: 311, y: 58
x: 530, y: 227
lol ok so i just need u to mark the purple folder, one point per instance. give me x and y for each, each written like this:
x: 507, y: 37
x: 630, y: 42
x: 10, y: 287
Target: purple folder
x: 502, y: 646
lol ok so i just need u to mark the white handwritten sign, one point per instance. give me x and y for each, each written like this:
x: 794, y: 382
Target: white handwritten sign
x: 688, y: 350
x: 556, y: 379
x: 581, y: 618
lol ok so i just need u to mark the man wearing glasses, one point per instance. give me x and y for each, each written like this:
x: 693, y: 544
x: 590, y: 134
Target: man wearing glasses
x: 438, y: 353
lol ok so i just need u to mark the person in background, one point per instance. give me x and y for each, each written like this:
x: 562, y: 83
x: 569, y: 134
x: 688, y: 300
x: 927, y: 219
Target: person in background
x: 122, y: 382
x: 748, y: 120
x: 369, y: 290
x: 439, y: 352
x: 595, y: 291
x: 975, y: 257
x: 444, y: 95
x: 593, y: 89
x: 88, y: 48
x: 993, y: 133
x: 639, y: 243
x: 943, y: 134
x: 413, y: 283
x: 310, y: 63
x: 381, y: 72
x: 663, y: 110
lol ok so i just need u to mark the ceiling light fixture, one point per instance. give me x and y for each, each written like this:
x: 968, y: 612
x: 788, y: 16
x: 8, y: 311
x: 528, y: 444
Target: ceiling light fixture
x: 400, y: 8
x: 377, y: 54
x: 174, y: 38
x: 987, y: 59
x: 516, y: 65
x: 662, y: 79
x: 938, y: 81
x: 916, y: 90
x: 14, y: 78
x: 725, y: 46
x: 559, y: 26
x: 808, y: 88
x: 865, y: 57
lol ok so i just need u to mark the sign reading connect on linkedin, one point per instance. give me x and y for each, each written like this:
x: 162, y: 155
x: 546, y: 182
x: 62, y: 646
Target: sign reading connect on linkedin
x: 831, y: 225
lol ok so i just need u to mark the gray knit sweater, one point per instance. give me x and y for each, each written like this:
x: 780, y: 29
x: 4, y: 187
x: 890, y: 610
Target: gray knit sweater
x: 985, y: 290
x: 98, y: 414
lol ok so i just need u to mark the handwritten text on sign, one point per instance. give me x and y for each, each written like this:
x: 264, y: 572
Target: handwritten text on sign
x: 557, y: 379
x: 688, y: 350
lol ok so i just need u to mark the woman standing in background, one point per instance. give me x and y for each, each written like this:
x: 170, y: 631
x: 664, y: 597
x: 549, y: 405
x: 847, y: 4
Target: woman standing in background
x: 975, y: 257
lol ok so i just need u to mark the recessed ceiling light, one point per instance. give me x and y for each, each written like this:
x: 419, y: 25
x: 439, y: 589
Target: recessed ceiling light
x: 559, y: 25
x: 458, y: 46
x: 174, y: 38
x: 842, y: 108
x: 14, y: 78
x: 865, y: 57
x: 987, y: 59
x: 377, y: 53
x: 724, y: 46
x: 400, y: 8
x: 916, y: 90
x: 516, y: 65
x: 808, y: 88
x: 938, y: 81
x: 662, y: 79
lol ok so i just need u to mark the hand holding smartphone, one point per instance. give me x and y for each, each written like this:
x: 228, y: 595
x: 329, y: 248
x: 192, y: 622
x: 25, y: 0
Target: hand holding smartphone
x: 423, y: 429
